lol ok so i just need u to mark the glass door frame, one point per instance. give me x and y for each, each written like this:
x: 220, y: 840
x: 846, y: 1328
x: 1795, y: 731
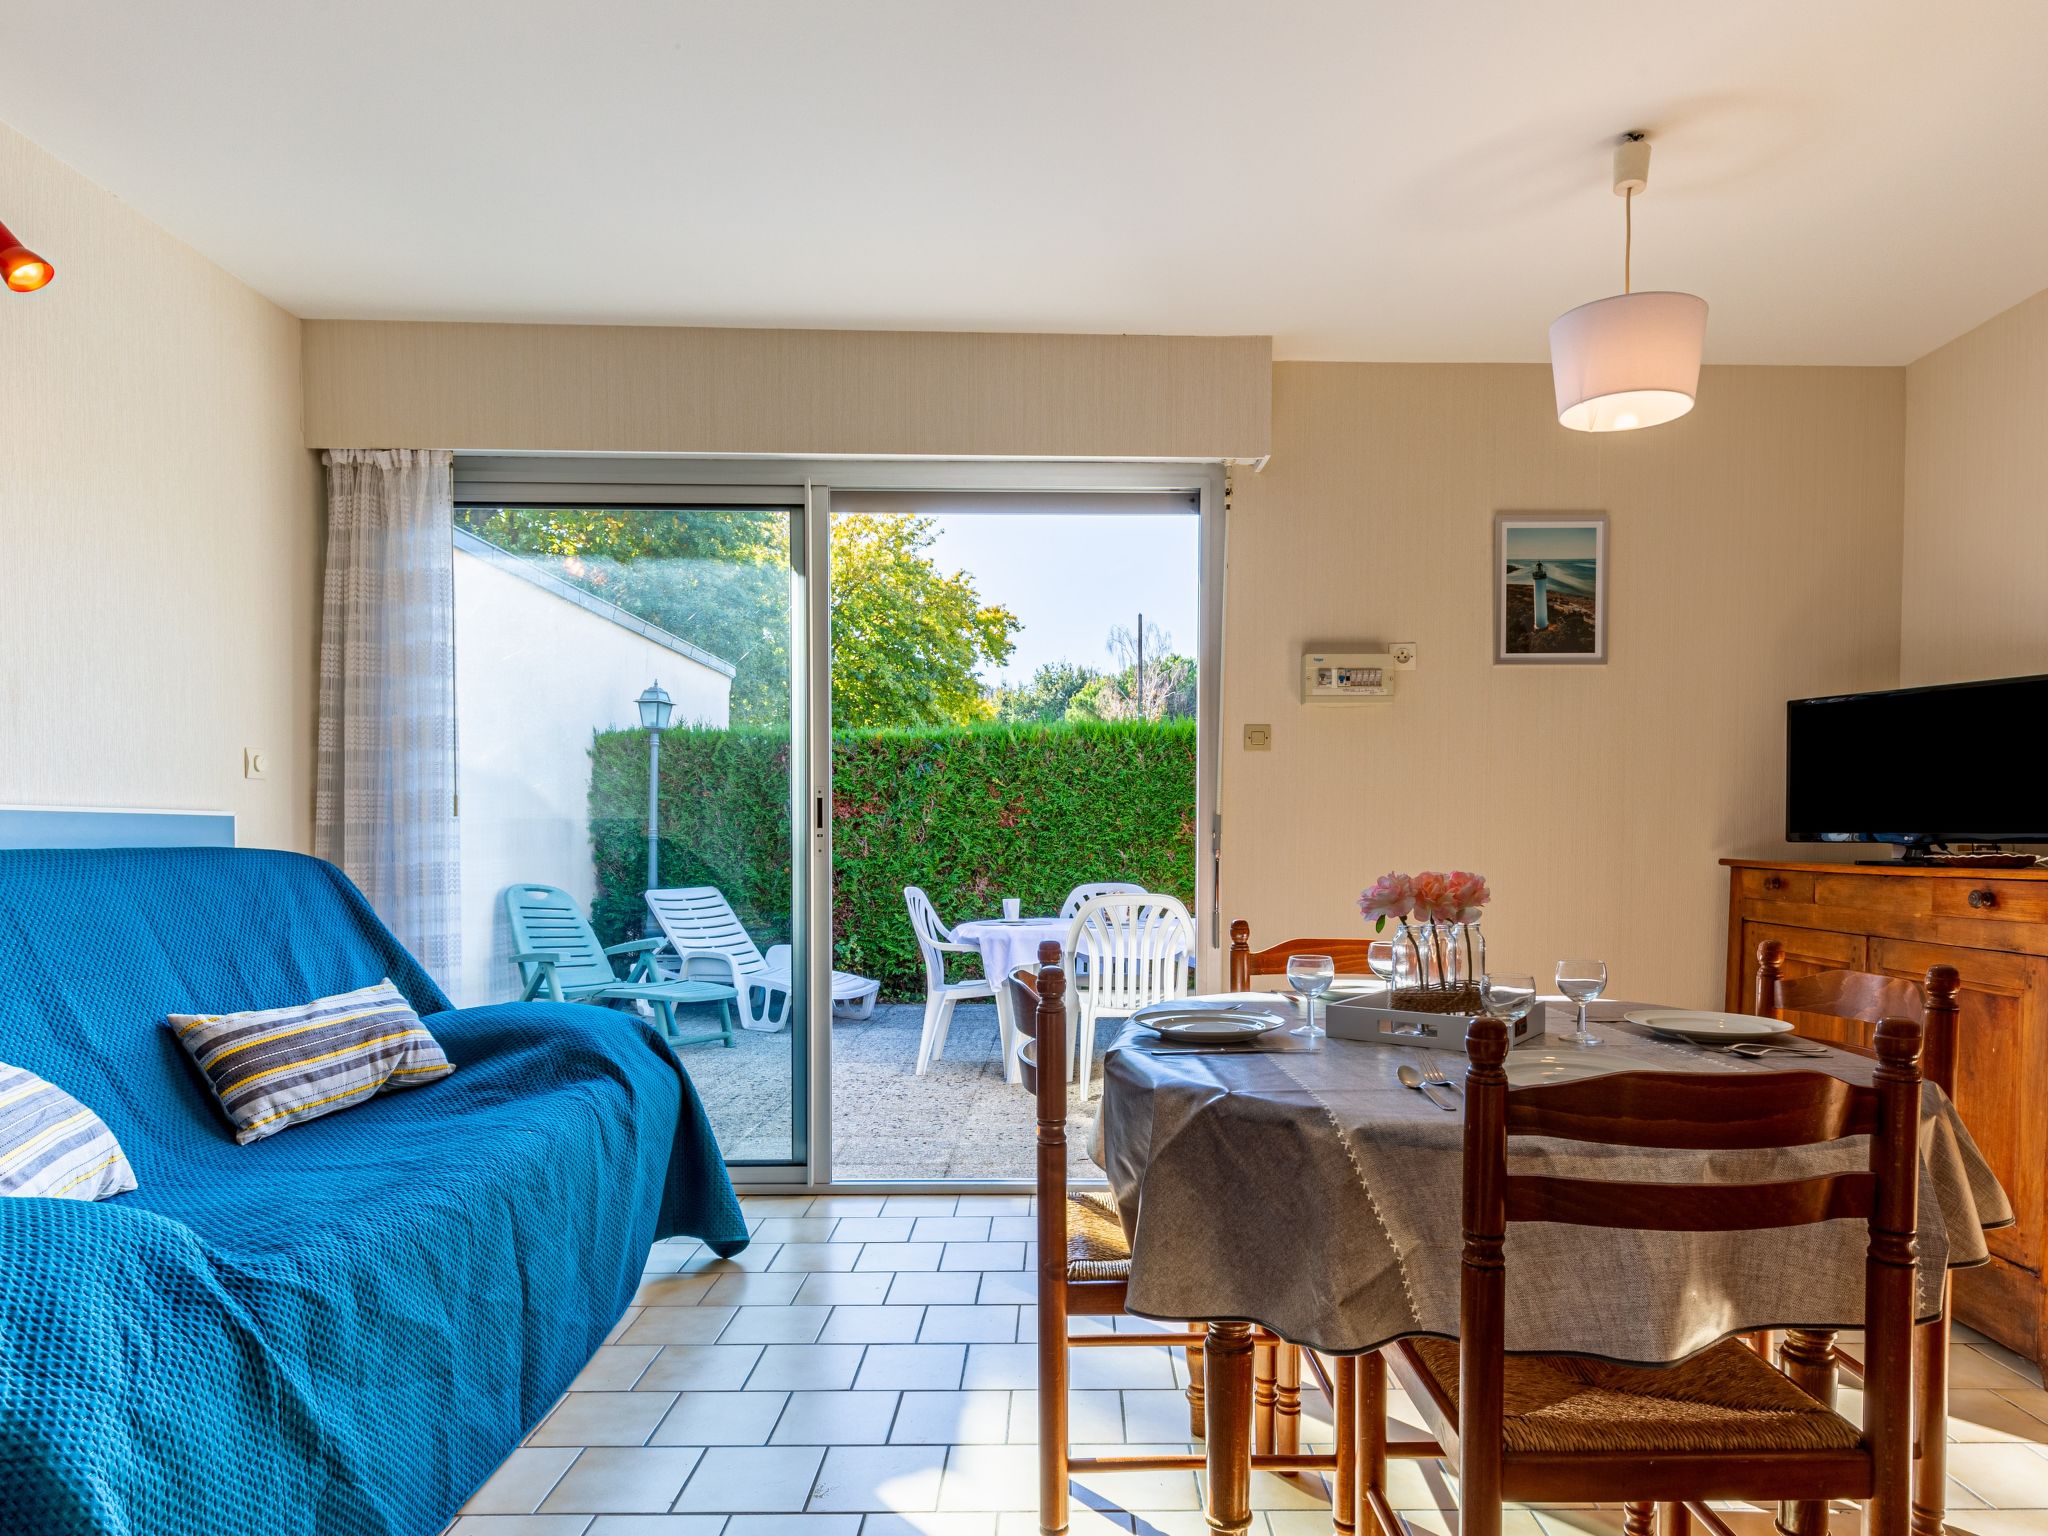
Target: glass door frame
x: 806, y: 487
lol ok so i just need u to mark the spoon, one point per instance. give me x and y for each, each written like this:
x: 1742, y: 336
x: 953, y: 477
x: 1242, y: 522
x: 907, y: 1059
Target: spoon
x: 1410, y: 1078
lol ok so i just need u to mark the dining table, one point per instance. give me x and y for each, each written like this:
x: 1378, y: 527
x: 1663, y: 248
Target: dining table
x: 1302, y: 1187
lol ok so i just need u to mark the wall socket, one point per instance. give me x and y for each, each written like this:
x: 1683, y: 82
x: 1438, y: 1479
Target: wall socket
x: 1258, y: 738
x: 1403, y: 652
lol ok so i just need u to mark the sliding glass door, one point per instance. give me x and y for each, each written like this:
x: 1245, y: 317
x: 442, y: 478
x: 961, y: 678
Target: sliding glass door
x: 632, y: 691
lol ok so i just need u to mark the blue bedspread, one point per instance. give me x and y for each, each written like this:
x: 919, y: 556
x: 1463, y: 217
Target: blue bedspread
x: 344, y: 1328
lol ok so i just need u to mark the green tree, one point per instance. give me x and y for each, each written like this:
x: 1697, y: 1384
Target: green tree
x: 1165, y: 690
x: 906, y: 638
x: 1045, y: 698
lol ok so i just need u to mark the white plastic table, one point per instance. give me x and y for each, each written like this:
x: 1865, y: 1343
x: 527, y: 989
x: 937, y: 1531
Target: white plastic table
x: 1006, y: 944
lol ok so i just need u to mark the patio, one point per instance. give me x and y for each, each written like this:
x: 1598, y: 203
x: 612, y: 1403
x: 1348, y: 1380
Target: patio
x: 959, y: 1121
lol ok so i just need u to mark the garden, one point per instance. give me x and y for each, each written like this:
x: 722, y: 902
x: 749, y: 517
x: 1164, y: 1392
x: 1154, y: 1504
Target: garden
x: 971, y: 813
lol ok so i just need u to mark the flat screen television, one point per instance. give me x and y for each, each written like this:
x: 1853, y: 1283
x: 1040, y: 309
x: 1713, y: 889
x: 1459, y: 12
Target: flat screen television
x: 1919, y: 766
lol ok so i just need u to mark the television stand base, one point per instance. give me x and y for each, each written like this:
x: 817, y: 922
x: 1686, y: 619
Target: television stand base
x: 1974, y: 856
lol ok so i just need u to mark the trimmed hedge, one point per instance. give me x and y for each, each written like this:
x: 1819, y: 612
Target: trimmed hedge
x: 971, y: 814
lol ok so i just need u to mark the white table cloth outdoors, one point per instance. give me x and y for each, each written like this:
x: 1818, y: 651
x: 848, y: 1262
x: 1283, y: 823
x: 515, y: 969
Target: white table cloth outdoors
x: 1312, y: 1193
x: 1006, y: 945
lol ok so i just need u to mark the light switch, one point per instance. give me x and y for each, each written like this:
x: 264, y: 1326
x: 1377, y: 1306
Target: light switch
x: 255, y: 763
x: 1258, y: 738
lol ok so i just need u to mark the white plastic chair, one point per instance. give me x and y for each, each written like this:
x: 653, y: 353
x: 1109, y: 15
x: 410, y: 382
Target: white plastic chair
x: 935, y: 941
x: 1081, y: 893
x: 1137, y: 949
x: 709, y: 941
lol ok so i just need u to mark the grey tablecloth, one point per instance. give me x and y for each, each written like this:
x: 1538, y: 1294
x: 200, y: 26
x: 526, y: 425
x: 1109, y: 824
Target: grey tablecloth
x: 1313, y: 1194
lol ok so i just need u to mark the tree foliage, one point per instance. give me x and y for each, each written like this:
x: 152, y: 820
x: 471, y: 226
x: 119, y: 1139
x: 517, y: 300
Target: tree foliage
x: 906, y: 638
x: 1045, y: 699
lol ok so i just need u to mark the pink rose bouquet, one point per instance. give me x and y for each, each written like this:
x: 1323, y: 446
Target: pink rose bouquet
x: 1429, y: 906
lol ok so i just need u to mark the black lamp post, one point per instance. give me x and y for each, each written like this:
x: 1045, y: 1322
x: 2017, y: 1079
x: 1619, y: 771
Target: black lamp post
x: 655, y: 709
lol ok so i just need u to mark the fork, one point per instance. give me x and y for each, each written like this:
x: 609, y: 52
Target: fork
x: 1433, y: 1074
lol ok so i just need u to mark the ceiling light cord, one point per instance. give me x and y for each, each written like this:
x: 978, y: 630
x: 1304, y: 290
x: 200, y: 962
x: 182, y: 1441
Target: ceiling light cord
x: 1628, y: 235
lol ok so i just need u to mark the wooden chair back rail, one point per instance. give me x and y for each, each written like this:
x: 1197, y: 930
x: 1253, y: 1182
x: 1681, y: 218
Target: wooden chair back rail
x: 1349, y: 955
x: 1690, y: 1207
x: 1886, y: 1194
x: 1689, y: 1111
x: 1870, y: 999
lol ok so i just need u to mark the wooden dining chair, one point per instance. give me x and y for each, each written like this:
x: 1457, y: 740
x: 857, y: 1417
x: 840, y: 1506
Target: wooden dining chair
x: 1350, y: 955
x: 1084, y: 1270
x: 1859, y: 1000
x: 1723, y: 1424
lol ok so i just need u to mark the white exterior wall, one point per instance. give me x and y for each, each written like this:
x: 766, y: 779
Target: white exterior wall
x: 535, y: 676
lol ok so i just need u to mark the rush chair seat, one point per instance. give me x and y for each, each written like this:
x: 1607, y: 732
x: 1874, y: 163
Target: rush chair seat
x: 1842, y: 1008
x: 1725, y: 1424
x: 1084, y: 1270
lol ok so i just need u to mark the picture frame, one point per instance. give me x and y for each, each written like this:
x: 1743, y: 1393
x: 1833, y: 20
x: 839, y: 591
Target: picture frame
x: 1550, y: 588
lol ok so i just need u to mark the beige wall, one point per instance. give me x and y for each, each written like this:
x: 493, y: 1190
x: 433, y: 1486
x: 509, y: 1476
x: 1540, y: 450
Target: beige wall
x: 159, y: 523
x: 1976, y: 550
x: 1755, y: 558
x: 654, y: 389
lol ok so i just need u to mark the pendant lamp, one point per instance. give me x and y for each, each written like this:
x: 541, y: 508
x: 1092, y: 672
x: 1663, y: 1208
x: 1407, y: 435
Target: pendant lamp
x: 1632, y: 360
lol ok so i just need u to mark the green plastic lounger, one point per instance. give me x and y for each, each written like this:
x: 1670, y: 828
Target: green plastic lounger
x: 559, y: 958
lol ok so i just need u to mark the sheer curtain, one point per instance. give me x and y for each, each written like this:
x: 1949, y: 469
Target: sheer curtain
x: 385, y: 806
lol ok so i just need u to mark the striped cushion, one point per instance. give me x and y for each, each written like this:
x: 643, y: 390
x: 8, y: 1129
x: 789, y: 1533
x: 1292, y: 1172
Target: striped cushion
x: 283, y: 1065
x: 52, y: 1145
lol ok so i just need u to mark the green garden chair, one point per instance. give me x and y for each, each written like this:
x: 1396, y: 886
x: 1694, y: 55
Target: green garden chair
x: 559, y: 957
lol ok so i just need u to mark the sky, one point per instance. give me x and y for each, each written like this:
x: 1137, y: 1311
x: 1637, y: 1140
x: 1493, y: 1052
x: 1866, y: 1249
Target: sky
x: 1526, y: 542
x: 1070, y: 578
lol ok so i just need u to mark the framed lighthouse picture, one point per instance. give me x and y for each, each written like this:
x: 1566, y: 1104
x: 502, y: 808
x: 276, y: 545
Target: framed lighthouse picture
x: 1550, y: 587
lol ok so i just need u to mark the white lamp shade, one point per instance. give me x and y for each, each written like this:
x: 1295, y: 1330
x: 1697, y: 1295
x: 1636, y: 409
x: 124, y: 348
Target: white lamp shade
x: 1629, y: 361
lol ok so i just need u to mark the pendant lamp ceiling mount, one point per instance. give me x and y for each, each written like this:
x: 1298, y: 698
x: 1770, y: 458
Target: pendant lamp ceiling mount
x: 1631, y: 360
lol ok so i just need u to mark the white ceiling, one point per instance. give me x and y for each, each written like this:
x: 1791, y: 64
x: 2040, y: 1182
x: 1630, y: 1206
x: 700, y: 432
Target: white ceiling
x: 1846, y: 181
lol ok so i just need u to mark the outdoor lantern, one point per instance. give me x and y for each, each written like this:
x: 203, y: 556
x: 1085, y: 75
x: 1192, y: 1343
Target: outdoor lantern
x: 656, y: 707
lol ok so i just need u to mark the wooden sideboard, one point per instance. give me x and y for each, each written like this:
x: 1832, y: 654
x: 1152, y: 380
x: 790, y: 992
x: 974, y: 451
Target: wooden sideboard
x: 1992, y: 926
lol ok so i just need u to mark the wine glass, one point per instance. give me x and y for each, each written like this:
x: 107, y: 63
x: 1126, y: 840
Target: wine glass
x: 1582, y: 981
x: 1310, y: 975
x: 1507, y: 997
x: 1379, y: 957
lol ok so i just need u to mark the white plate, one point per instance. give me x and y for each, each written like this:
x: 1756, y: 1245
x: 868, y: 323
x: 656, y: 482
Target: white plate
x: 1527, y: 1069
x: 1710, y: 1028
x: 1217, y: 1018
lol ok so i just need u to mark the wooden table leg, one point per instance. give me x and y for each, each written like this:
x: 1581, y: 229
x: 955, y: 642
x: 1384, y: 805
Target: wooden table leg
x: 1370, y: 1422
x: 1930, y: 1426
x: 1344, y: 1429
x: 1808, y: 1358
x: 1263, y: 1391
x: 1286, y: 1398
x: 1227, y: 1398
x: 1673, y: 1520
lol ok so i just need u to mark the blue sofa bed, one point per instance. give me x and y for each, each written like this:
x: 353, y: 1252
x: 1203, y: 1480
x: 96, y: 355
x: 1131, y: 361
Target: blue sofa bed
x: 344, y: 1328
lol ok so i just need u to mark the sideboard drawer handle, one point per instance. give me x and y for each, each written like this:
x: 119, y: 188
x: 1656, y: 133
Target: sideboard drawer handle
x: 1774, y: 882
x: 1983, y: 899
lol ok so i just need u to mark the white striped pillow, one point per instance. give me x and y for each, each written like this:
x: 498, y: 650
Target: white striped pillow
x: 53, y: 1146
x: 278, y: 1066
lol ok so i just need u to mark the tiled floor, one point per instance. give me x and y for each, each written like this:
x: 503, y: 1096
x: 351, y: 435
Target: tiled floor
x: 866, y: 1369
